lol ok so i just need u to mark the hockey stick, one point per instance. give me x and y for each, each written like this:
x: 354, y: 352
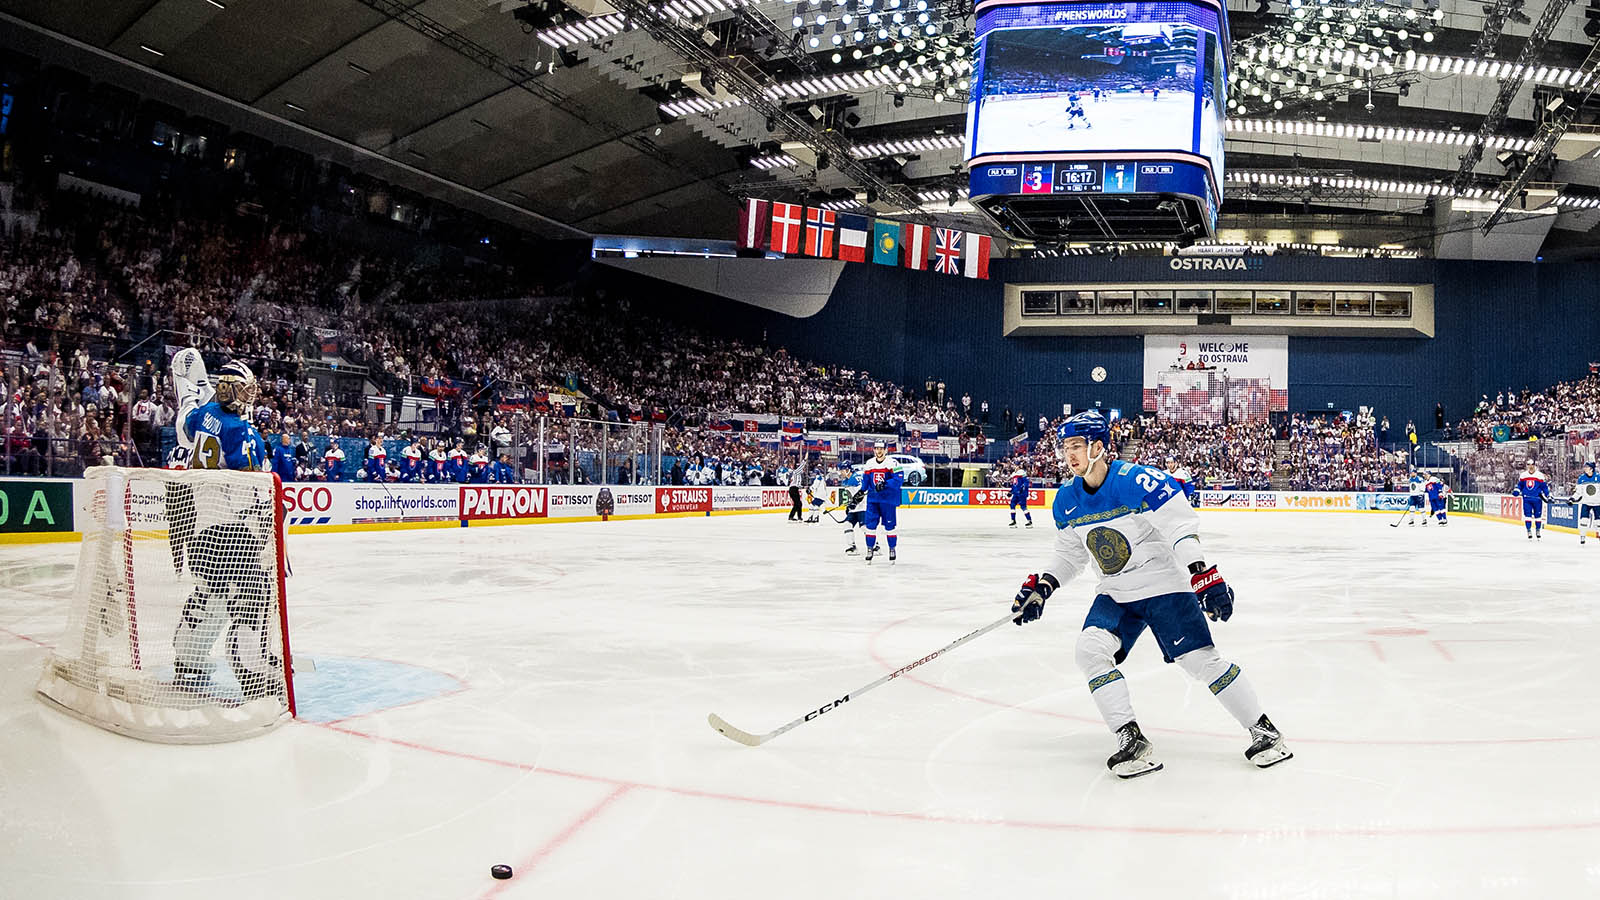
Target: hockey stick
x: 1403, y: 517
x: 756, y: 740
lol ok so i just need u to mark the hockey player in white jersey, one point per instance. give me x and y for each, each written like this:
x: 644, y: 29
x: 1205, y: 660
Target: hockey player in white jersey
x: 1131, y: 523
x: 853, y: 499
x: 231, y: 586
x: 817, y: 497
x: 1587, y: 497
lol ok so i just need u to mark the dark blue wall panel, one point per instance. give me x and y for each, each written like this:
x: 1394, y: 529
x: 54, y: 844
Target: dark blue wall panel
x: 1498, y: 325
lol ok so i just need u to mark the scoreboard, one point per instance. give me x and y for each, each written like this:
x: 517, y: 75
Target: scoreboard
x: 1089, y: 110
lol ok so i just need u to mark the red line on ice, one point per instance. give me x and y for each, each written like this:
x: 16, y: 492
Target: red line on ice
x: 558, y: 839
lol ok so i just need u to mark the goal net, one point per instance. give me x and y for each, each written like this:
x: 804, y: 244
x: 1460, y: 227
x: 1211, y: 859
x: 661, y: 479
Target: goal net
x: 177, y: 630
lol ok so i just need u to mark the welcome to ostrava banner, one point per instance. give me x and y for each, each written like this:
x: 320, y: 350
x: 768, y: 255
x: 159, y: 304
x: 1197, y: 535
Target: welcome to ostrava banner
x: 1246, y: 373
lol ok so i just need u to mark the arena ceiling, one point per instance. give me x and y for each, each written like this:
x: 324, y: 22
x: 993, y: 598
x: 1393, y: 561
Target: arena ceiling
x: 651, y: 119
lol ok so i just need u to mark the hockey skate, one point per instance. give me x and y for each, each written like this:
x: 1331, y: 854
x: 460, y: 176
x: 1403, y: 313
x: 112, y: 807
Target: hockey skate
x: 1136, y: 757
x: 871, y: 552
x: 891, y: 556
x: 850, y: 550
x: 1266, y: 744
x: 1013, y: 523
x: 1029, y: 524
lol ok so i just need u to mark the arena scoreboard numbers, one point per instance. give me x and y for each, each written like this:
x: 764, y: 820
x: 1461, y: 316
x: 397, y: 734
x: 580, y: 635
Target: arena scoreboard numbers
x: 1098, y: 121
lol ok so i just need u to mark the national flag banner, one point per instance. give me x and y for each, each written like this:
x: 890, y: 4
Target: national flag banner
x: 975, y: 255
x: 755, y: 218
x: 794, y: 426
x: 886, y: 243
x: 854, y: 232
x: 916, y: 245
x: 787, y: 219
x: 947, y: 250
x: 819, y: 232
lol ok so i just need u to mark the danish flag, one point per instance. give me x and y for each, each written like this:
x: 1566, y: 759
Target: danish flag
x: 786, y: 222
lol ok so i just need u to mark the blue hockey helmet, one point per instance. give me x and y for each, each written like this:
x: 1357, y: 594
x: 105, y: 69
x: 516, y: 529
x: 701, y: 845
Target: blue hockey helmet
x: 1089, y: 425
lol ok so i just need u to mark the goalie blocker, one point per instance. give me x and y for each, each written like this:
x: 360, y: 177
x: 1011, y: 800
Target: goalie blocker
x: 177, y: 629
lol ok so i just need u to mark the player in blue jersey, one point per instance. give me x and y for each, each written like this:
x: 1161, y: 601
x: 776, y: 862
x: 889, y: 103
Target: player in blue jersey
x: 411, y: 464
x: 503, y: 471
x: 232, y: 588
x: 1131, y: 523
x: 1535, y: 493
x: 333, y: 462
x: 882, y: 479
x: 1587, y: 497
x: 1020, y: 486
x: 1438, y: 500
x: 377, y: 468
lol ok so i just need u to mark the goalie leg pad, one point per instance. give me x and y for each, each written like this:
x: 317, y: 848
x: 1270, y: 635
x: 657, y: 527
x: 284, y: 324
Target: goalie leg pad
x: 199, y: 626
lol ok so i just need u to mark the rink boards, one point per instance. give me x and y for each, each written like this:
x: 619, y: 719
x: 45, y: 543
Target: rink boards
x: 44, y: 510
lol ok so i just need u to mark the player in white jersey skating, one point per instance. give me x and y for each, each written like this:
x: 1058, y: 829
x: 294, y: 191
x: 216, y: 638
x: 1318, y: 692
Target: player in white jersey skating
x: 1130, y: 521
x: 1587, y: 497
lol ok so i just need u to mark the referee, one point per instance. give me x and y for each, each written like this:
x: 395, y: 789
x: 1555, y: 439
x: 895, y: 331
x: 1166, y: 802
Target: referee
x: 797, y: 477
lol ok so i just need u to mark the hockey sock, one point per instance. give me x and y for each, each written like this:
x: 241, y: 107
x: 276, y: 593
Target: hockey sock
x: 1111, y: 695
x: 872, y: 541
x: 1013, y: 518
x: 1029, y: 517
x: 892, y: 540
x: 1225, y: 681
x: 1096, y: 658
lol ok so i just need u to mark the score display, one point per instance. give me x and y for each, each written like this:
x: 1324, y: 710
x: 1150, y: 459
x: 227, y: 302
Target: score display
x: 1092, y: 98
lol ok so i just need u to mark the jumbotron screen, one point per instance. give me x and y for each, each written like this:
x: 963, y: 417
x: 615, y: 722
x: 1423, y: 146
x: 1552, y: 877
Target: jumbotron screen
x: 1105, y: 79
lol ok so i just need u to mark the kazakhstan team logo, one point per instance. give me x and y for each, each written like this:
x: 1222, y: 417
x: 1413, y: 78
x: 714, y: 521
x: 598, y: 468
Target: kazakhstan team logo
x: 1109, y: 549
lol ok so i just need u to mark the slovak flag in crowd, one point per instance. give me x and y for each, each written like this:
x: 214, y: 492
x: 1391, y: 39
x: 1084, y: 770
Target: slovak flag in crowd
x: 947, y: 251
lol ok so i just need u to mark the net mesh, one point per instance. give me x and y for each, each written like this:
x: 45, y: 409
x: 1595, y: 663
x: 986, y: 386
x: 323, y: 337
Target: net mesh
x: 176, y: 630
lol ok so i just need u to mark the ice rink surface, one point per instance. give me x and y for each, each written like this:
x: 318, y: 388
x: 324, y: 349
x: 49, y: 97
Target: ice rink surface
x: 537, y: 696
x: 1119, y: 120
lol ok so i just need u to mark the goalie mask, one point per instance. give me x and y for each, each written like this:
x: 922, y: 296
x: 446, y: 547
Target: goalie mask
x: 236, y: 388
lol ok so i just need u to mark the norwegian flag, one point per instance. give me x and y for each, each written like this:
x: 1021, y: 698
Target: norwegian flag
x: 947, y: 251
x: 914, y: 241
x: 819, y: 232
x: 787, y: 219
x: 754, y: 219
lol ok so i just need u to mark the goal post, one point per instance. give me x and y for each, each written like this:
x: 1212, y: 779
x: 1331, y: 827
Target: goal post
x: 177, y: 626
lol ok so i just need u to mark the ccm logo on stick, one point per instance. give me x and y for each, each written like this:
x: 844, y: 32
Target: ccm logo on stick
x: 834, y: 705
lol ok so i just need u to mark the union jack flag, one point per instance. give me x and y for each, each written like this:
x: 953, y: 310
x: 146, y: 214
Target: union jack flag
x: 947, y: 251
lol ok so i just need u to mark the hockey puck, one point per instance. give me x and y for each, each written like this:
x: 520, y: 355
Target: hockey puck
x: 500, y: 872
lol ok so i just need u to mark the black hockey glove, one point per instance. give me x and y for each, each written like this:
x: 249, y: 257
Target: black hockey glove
x: 1216, y: 597
x: 856, y: 498
x: 1029, y: 602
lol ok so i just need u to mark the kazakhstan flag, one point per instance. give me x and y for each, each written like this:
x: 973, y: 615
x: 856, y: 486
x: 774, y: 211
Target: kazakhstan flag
x: 886, y: 243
